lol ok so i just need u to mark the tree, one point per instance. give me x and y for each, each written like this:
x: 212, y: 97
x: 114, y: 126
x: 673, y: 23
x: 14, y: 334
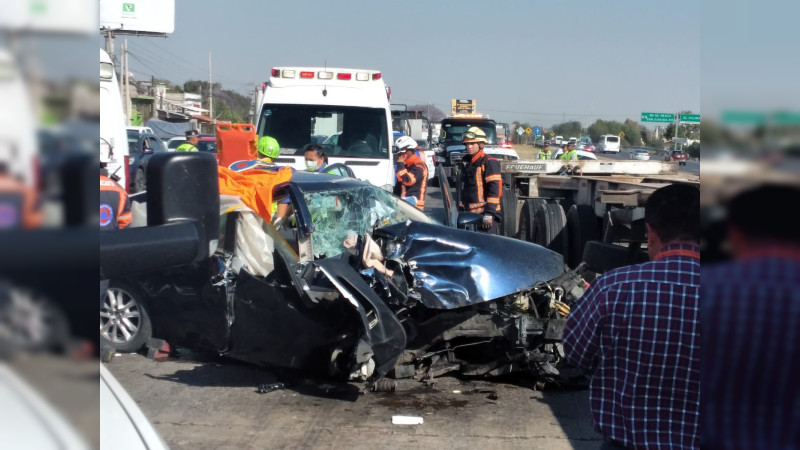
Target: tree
x: 568, y: 129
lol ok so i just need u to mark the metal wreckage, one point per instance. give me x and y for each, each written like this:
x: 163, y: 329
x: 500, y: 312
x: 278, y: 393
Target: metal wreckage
x: 410, y: 298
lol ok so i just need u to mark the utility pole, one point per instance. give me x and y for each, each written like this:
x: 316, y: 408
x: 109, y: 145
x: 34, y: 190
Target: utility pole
x: 210, y: 93
x: 126, y: 81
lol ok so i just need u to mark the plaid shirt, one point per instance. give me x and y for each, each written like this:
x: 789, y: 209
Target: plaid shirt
x: 751, y: 351
x: 637, y: 331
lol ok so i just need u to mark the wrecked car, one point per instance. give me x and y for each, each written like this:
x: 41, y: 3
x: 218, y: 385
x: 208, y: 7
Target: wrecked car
x: 356, y: 284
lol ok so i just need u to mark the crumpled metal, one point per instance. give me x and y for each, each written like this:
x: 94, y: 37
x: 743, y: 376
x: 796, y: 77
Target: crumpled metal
x: 452, y: 268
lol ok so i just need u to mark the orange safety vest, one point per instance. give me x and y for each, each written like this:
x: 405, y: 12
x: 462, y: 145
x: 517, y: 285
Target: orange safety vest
x: 254, y: 186
x: 481, y: 185
x: 414, y: 179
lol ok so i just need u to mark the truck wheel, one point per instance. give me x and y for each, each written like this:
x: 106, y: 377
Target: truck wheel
x: 551, y: 228
x: 509, y: 203
x: 139, y: 181
x: 527, y: 220
x: 583, y: 227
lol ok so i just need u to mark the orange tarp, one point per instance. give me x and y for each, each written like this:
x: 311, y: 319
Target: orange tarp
x: 254, y: 187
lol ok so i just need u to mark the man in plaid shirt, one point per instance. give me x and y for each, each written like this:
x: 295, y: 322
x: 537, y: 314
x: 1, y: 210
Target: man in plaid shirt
x: 636, y: 330
x: 751, y: 327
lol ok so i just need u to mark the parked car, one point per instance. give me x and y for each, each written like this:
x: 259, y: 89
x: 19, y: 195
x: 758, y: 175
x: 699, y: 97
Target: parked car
x: 677, y: 155
x: 206, y: 143
x: 640, y: 154
x: 141, y: 147
x: 589, y: 147
x: 357, y: 285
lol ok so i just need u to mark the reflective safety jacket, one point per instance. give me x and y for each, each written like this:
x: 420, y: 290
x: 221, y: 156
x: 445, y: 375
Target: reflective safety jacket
x: 414, y: 179
x: 481, y: 185
x: 186, y: 147
x: 545, y: 154
x: 115, y: 206
x: 570, y: 155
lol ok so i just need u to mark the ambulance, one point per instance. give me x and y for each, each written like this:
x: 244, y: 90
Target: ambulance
x: 346, y: 110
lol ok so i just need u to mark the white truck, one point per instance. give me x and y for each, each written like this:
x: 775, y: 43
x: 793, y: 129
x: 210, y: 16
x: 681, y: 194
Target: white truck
x: 18, y: 135
x: 595, y: 218
x: 353, y: 104
x: 113, y: 133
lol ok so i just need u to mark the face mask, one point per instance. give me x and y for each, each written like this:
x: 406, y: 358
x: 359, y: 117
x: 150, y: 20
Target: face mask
x: 311, y: 166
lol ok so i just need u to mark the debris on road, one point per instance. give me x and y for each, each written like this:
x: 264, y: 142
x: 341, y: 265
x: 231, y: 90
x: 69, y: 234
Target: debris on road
x: 270, y: 387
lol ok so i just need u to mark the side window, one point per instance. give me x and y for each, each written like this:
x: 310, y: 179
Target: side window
x: 155, y: 144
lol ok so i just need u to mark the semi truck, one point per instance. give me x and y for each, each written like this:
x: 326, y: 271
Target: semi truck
x: 596, y: 218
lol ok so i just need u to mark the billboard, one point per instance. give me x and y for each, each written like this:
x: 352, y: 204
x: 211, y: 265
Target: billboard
x: 137, y: 16
x: 50, y: 16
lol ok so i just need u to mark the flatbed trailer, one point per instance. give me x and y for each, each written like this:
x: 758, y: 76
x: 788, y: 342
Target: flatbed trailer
x: 604, y: 205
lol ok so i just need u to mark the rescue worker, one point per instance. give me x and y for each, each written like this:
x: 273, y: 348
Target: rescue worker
x: 316, y: 159
x: 569, y: 153
x: 480, y: 180
x: 115, y: 206
x: 268, y: 149
x: 545, y: 152
x: 18, y: 203
x: 191, y: 142
x: 412, y: 172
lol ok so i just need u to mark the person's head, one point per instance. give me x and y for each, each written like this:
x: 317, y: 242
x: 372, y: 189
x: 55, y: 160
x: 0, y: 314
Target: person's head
x: 546, y: 147
x: 672, y: 215
x: 192, y: 137
x: 268, y: 147
x: 570, y: 146
x: 406, y: 146
x: 315, y: 157
x: 474, y: 140
x: 762, y: 216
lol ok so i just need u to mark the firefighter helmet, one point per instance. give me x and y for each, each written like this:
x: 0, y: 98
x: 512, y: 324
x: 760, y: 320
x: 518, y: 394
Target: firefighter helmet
x: 268, y: 146
x: 475, y: 134
x: 404, y: 143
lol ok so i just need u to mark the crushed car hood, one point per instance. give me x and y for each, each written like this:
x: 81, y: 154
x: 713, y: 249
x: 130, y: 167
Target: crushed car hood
x: 452, y: 268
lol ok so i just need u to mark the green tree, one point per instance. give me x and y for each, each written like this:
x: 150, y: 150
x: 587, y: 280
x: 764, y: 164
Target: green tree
x: 568, y: 129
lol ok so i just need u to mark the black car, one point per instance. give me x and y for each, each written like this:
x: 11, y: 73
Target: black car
x: 357, y: 284
x: 141, y: 147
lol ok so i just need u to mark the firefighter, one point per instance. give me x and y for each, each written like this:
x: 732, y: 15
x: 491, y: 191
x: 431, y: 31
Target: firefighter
x: 481, y: 182
x: 412, y: 172
x: 545, y: 153
x: 115, y: 206
x: 191, y: 142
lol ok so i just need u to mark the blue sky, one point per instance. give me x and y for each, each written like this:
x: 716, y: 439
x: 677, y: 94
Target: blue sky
x: 541, y: 61
x: 538, y: 61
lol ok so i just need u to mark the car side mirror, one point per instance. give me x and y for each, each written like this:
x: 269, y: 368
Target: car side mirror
x: 469, y: 221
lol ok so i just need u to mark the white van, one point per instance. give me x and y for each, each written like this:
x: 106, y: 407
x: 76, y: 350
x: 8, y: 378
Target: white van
x: 300, y: 102
x: 18, y: 133
x: 112, y: 122
x: 559, y: 140
x: 608, y: 143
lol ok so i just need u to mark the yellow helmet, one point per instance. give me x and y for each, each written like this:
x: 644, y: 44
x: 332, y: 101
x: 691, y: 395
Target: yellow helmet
x: 474, y: 134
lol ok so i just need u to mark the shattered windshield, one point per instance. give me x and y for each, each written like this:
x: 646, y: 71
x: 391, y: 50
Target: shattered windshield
x: 360, y: 208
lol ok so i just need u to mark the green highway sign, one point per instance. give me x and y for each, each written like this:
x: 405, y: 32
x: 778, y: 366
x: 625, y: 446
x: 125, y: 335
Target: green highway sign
x: 658, y: 117
x: 690, y: 118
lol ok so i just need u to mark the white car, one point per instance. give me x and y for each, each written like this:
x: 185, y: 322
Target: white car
x: 641, y: 155
x: 582, y: 154
x: 502, y: 153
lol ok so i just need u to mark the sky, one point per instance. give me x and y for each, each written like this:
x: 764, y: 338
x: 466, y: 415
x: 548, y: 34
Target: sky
x: 536, y: 61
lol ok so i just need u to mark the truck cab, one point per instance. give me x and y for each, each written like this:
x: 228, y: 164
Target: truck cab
x: 451, y: 150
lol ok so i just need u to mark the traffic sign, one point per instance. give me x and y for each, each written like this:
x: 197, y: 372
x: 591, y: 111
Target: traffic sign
x: 537, y: 130
x: 520, y: 131
x: 658, y: 117
x: 690, y: 118
x: 528, y: 130
x: 622, y: 134
x: 552, y: 133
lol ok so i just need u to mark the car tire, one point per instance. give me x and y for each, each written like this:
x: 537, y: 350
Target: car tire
x: 139, y: 181
x: 583, y: 227
x: 527, y: 219
x: 551, y: 228
x: 124, y: 320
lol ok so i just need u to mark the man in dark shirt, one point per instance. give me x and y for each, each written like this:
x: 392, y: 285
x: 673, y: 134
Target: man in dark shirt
x: 751, y: 327
x: 637, y: 332
x: 481, y: 181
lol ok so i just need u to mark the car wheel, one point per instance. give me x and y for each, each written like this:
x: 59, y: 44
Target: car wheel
x: 139, y: 182
x: 124, y: 322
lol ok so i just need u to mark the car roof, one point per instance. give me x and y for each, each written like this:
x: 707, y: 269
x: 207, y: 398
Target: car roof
x: 313, y: 181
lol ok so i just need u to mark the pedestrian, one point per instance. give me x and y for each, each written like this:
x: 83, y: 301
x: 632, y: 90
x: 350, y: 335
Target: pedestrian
x: 268, y: 149
x: 751, y: 326
x: 636, y: 331
x: 569, y: 153
x: 545, y: 152
x: 316, y: 158
x: 411, y: 171
x: 191, y: 142
x: 480, y: 181
x: 19, y: 207
x: 115, y: 206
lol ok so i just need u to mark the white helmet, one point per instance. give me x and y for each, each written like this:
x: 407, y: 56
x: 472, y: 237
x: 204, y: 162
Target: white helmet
x: 406, y: 143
